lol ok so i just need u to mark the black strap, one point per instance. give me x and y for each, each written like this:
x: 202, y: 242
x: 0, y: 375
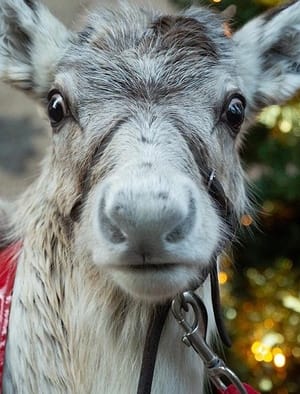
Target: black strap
x: 216, y: 302
x: 151, y: 347
x: 156, y: 327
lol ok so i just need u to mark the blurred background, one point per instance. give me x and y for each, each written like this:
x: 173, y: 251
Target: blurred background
x: 261, y: 289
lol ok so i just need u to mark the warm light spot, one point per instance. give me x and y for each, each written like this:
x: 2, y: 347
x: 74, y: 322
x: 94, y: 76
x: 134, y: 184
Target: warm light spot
x: 268, y: 324
x: 246, y: 220
x: 268, y: 357
x: 259, y: 357
x: 255, y: 276
x: 294, y: 320
x: 279, y: 360
x: 261, y: 352
x: 216, y: 1
x: 223, y: 277
x: 231, y: 314
x: 273, y: 338
x: 265, y: 385
x: 285, y: 126
x: 291, y: 302
x: 276, y: 350
x: 270, y: 115
x: 296, y: 352
x: 255, y: 347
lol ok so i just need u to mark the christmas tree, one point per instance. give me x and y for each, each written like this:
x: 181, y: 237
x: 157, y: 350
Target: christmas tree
x: 261, y: 294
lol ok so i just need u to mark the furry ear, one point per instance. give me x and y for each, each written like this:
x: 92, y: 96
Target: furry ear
x: 32, y: 41
x: 268, y: 56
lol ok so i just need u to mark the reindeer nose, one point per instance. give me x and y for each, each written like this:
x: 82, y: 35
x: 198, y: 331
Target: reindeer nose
x: 146, y: 220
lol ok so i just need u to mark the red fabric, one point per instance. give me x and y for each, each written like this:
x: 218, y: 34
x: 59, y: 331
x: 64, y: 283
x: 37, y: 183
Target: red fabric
x: 233, y: 390
x: 8, y: 266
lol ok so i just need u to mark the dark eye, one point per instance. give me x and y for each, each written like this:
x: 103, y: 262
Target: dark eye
x: 235, y: 112
x: 57, y: 109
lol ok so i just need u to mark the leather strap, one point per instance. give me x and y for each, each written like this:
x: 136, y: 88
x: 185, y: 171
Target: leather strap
x: 151, y: 347
x: 216, y: 302
x: 156, y: 326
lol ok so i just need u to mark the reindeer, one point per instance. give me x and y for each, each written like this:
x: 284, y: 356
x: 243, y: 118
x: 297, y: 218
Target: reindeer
x: 142, y: 107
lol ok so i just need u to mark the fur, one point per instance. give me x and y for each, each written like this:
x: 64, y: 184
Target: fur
x: 125, y: 183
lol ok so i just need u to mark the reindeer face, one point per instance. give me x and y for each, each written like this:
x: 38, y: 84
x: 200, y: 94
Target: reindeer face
x: 143, y: 109
x: 153, y: 115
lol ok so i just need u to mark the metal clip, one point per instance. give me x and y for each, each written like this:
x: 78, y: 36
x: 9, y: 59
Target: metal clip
x: 195, y: 336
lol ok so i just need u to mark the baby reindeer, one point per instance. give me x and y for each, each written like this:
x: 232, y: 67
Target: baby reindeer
x: 144, y: 107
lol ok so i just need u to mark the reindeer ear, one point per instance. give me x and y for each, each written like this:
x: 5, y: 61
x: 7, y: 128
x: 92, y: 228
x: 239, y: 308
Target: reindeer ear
x: 230, y: 12
x: 32, y: 41
x: 268, y: 55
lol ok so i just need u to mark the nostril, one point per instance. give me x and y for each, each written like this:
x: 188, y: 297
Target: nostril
x: 112, y: 232
x: 163, y: 196
x: 183, y: 229
x: 176, y: 235
x: 116, y: 236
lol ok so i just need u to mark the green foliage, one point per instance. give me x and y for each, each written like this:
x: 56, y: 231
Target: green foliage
x: 245, y: 9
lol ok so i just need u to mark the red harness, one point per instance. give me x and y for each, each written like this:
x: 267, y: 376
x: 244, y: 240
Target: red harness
x: 8, y: 264
x: 233, y: 390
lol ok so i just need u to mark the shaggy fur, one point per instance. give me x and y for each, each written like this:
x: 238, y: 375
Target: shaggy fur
x: 120, y: 217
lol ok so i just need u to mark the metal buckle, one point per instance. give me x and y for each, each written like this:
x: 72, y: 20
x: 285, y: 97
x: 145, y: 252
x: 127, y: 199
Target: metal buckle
x: 195, y: 336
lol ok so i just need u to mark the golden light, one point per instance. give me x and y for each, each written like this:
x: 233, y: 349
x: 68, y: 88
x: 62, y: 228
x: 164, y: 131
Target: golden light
x: 255, y: 347
x: 268, y: 357
x: 279, y: 360
x: 270, y: 115
x: 216, y: 1
x: 291, y: 302
x: 277, y: 350
x: 265, y: 385
x: 269, y: 323
x: 262, y: 352
x: 223, y: 277
x: 285, y: 126
x: 273, y: 338
x: 296, y: 352
x: 231, y: 314
x: 246, y: 220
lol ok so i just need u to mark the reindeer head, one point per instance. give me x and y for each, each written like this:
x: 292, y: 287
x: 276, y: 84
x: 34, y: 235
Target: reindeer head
x: 144, y: 107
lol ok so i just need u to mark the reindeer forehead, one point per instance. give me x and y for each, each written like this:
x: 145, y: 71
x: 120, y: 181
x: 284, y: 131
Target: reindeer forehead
x: 158, y: 34
x: 136, y: 53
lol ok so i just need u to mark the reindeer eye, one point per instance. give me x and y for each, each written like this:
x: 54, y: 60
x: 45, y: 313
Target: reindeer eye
x: 57, y: 109
x: 235, y: 112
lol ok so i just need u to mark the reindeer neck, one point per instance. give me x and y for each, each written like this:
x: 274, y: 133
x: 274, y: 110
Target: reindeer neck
x: 88, y: 335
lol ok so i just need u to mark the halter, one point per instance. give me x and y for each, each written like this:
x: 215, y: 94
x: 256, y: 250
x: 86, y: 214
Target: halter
x: 195, y: 334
